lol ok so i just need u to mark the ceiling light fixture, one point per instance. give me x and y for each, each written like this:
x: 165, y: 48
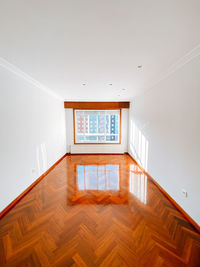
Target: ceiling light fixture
x: 110, y: 84
x: 139, y: 66
x: 83, y: 84
x: 123, y: 89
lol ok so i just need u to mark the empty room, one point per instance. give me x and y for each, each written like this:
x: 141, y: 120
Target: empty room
x: 100, y: 133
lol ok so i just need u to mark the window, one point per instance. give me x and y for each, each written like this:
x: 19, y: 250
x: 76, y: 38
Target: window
x: 97, y: 126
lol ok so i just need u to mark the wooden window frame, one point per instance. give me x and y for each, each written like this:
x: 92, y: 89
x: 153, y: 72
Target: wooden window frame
x: 96, y: 105
x: 120, y: 129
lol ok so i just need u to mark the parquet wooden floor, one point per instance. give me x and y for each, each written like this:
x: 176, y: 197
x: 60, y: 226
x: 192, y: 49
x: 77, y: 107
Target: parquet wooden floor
x: 97, y: 210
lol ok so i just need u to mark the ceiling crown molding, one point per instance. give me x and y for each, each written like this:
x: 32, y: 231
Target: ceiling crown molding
x: 192, y: 54
x: 12, y: 68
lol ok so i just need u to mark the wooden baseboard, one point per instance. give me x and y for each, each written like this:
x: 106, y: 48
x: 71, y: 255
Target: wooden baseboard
x: 174, y: 203
x: 96, y: 154
x: 16, y: 200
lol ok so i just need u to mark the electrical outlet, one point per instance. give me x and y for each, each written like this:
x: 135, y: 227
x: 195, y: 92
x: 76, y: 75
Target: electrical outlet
x: 184, y: 193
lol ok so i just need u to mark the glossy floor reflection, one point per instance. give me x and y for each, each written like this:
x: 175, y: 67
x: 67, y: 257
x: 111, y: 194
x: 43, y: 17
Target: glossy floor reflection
x: 138, y: 183
x: 97, y: 184
x: 97, y: 210
x: 98, y: 177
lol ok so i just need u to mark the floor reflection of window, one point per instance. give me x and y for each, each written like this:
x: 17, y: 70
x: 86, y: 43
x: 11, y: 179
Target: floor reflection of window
x: 138, y: 185
x: 98, y: 177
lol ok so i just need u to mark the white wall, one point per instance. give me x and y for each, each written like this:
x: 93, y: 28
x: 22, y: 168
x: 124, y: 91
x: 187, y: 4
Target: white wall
x: 76, y: 149
x: 32, y: 134
x: 167, y: 127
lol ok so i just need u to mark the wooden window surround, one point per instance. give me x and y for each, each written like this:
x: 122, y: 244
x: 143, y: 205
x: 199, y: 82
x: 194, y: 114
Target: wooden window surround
x: 96, y: 105
x: 96, y: 143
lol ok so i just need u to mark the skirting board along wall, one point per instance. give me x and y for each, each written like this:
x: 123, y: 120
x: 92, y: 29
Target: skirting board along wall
x: 164, y: 132
x: 23, y: 194
x: 174, y: 203
x: 14, y: 202
x: 32, y: 136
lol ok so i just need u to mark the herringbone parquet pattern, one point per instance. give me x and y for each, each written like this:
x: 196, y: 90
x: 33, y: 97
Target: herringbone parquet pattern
x: 97, y: 211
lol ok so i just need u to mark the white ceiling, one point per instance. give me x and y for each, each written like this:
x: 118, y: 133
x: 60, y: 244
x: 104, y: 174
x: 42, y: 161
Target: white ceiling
x: 63, y: 44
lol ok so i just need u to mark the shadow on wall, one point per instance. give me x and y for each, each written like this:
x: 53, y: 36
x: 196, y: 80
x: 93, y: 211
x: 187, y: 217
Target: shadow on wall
x: 41, y: 157
x: 139, y: 145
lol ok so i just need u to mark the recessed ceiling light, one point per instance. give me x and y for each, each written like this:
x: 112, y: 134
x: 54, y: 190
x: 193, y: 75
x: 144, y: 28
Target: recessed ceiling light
x: 83, y: 84
x: 139, y: 66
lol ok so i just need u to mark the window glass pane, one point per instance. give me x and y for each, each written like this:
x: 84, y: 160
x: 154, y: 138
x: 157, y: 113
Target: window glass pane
x: 101, y: 138
x: 93, y: 123
x: 91, y: 137
x: 101, y: 123
x: 97, y: 126
x: 112, y: 138
x: 107, y: 124
x: 80, y: 137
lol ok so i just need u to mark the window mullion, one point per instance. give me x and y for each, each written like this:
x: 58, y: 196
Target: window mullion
x: 97, y: 130
x: 105, y: 114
